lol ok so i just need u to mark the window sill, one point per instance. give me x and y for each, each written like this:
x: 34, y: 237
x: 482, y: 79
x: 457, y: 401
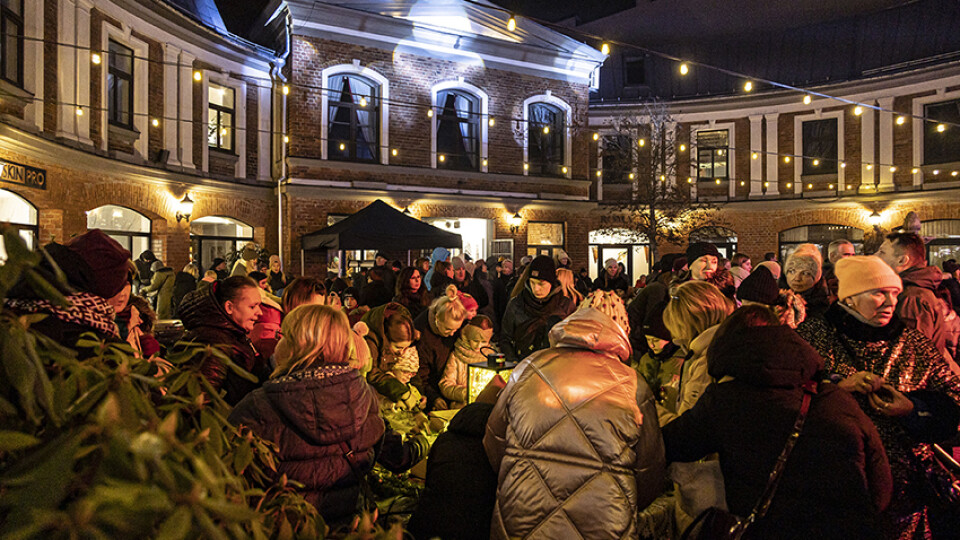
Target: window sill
x: 224, y: 154
x: 121, y: 135
x: 14, y: 95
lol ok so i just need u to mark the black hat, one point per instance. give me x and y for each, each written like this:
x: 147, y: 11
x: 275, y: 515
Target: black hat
x: 543, y: 268
x: 760, y: 286
x: 653, y: 322
x: 351, y: 292
x: 679, y: 263
x: 699, y: 249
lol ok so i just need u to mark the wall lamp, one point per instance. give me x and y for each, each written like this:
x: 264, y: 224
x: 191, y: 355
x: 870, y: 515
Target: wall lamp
x: 515, y: 222
x: 184, y: 208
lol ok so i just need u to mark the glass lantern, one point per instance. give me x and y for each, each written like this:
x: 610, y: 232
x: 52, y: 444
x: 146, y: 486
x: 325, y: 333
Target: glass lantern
x: 481, y: 373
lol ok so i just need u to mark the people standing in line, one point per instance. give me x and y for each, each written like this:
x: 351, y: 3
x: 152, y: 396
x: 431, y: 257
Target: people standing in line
x: 741, y: 266
x: 660, y: 365
x: 747, y: 417
x: 411, y: 292
x: 803, y: 274
x: 612, y: 279
x: 160, y: 291
x: 224, y: 314
x: 438, y: 327
x: 144, y: 272
x: 899, y: 379
x: 917, y: 304
x: 836, y: 250
x: 536, y: 305
x: 184, y: 282
x: 574, y: 436
x: 322, y: 416
x: 277, y: 278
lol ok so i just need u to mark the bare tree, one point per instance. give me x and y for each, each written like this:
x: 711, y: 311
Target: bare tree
x: 641, y: 151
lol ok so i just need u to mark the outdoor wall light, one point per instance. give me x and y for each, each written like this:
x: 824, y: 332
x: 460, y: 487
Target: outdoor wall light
x: 875, y: 218
x: 515, y: 222
x: 184, y: 208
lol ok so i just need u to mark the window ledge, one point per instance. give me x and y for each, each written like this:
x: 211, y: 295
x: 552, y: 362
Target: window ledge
x: 15, y: 95
x: 224, y: 155
x: 122, y: 135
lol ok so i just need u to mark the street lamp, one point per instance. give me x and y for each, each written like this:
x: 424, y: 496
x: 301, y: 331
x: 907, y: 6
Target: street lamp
x: 184, y: 208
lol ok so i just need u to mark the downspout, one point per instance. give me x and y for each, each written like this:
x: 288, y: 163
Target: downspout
x: 280, y: 81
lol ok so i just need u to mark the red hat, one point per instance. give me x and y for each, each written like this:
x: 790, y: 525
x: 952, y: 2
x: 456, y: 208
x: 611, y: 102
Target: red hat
x: 108, y: 261
x: 469, y: 302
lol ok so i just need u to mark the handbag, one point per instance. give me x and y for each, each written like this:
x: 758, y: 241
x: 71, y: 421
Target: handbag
x: 718, y: 524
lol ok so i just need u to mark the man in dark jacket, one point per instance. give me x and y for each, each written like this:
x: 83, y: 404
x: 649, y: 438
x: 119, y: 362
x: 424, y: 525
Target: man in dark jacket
x: 144, y: 273
x: 224, y: 314
x: 917, y: 305
x: 612, y: 279
x: 376, y: 293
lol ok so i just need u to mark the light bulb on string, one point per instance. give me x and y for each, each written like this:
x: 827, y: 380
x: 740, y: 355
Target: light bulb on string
x: 546, y: 130
x: 683, y: 148
x: 941, y: 128
x: 684, y: 69
x: 596, y: 136
x: 512, y: 23
x: 605, y: 48
x: 858, y: 110
x: 492, y: 122
x: 901, y: 120
x: 748, y: 86
x: 807, y: 99
x: 96, y: 58
x: 641, y: 142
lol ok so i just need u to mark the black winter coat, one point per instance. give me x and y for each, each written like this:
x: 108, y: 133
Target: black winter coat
x: 308, y: 414
x: 183, y: 284
x: 837, y: 477
x: 461, y: 487
x: 527, y: 323
x: 206, y: 322
x: 606, y: 283
x: 434, y: 351
x: 374, y: 294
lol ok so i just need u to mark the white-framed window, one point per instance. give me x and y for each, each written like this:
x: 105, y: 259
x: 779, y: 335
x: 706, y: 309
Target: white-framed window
x: 11, y: 41
x: 729, y: 154
x: 128, y: 227
x: 354, y: 106
x: 547, y: 146
x: 124, y: 72
x: 819, y: 137
x: 925, y: 133
x: 221, y: 112
x: 459, y: 131
x: 220, y: 87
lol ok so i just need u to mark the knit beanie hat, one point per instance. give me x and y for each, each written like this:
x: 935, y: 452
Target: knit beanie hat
x: 610, y: 304
x: 760, y: 286
x: 653, y: 322
x: 561, y: 255
x: 773, y: 267
x: 107, y: 260
x: 471, y: 332
x: 544, y: 269
x: 351, y: 292
x: 807, y: 258
x: 859, y: 274
x: 699, y: 249
x: 468, y: 301
x: 457, y: 263
x: 409, y: 361
x: 678, y: 264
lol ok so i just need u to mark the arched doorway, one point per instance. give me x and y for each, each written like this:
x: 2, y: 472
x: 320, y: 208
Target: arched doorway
x: 725, y: 239
x: 22, y: 216
x: 215, y: 237
x: 943, y: 240
x: 128, y: 227
x: 628, y: 247
x: 819, y: 235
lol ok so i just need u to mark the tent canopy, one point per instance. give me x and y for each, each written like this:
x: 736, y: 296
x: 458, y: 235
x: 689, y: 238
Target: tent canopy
x: 382, y: 227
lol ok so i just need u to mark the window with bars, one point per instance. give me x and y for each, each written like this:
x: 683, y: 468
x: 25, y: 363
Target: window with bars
x: 11, y: 41
x: 820, y: 146
x: 353, y: 132
x: 941, y: 136
x: 713, y: 151
x: 220, y: 123
x: 120, y: 85
x: 458, y: 131
x: 546, y: 128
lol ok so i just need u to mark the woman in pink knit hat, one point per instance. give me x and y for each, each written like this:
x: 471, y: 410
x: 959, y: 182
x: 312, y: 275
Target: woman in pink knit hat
x: 899, y: 379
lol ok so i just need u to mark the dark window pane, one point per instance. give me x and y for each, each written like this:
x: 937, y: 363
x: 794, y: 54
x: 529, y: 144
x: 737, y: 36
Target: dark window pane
x: 11, y: 42
x: 545, y: 147
x: 941, y: 144
x: 14, y: 6
x: 820, y: 146
x: 712, y: 154
x: 121, y: 58
x: 634, y: 72
x: 220, y: 129
x: 352, y: 119
x: 617, y: 159
x: 458, y: 131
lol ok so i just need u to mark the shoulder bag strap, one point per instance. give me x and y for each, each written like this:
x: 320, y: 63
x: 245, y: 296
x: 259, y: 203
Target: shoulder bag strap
x: 809, y: 389
x: 365, y: 490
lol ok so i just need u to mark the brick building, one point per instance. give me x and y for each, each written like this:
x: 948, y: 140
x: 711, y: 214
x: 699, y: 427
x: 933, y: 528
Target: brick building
x: 115, y: 112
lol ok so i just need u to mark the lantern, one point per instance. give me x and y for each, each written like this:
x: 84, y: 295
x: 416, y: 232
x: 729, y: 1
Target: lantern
x: 481, y: 373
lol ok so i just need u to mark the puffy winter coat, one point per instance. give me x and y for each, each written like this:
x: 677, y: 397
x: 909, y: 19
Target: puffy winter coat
x: 918, y: 306
x: 746, y: 418
x: 206, y: 322
x: 162, y: 284
x: 308, y: 415
x: 574, y: 438
x: 528, y: 320
x: 906, y: 359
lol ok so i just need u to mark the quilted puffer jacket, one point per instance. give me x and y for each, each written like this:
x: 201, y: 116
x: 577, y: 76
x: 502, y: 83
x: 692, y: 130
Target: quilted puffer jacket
x: 574, y: 438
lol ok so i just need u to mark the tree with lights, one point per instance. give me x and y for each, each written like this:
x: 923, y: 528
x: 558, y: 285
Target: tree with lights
x: 642, y: 150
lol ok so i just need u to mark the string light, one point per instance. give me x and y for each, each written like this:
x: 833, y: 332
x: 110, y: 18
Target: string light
x: 766, y: 184
x: 492, y: 122
x: 843, y: 164
x: 198, y: 75
x: 914, y: 170
x: 442, y: 158
x: 343, y: 146
x: 717, y: 181
x: 662, y: 177
x: 684, y: 69
x: 858, y: 110
x: 598, y: 174
x: 484, y: 162
x: 155, y: 122
x: 941, y: 128
x: 429, y: 113
x: 754, y: 156
x: 748, y: 86
x: 936, y: 172
x: 286, y: 90
x: 816, y: 162
x: 631, y: 176
x: 954, y: 173
x: 786, y: 159
x: 512, y: 23
x: 689, y: 180
x: 641, y: 142
x: 789, y: 185
x: 596, y: 136
x: 683, y: 148
x: 809, y: 186
x: 848, y: 186
x: 893, y: 169
x: 286, y: 139
x: 95, y: 58
x: 605, y: 48
x: 363, y: 102
x: 869, y: 167
x: 830, y: 186
x: 742, y: 183
x: 807, y: 99
x: 79, y: 111
x: 901, y: 120
x: 563, y: 170
x: 394, y: 153
x: 526, y: 166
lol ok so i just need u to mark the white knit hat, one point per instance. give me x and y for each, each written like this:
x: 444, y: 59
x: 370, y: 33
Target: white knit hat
x: 408, y: 361
x: 806, y: 257
x: 859, y: 274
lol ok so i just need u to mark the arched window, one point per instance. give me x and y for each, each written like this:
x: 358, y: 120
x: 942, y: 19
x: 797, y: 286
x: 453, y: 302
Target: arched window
x: 943, y: 240
x: 21, y: 215
x: 215, y: 237
x: 353, y: 118
x: 725, y: 239
x: 819, y: 235
x: 458, y: 130
x: 128, y: 227
x: 546, y: 139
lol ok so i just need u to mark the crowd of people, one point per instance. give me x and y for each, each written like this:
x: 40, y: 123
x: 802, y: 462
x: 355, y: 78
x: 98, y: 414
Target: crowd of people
x: 632, y: 409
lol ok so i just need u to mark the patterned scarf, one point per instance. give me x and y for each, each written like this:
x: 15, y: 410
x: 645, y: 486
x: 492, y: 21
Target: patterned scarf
x: 85, y: 309
x: 315, y: 374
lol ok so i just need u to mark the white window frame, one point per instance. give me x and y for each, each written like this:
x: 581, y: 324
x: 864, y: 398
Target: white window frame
x: 141, y: 73
x: 384, y: 121
x: 549, y: 99
x: 33, y: 60
x: 240, y: 118
x: 731, y: 128
x: 476, y: 92
x: 798, y: 121
x: 918, y: 105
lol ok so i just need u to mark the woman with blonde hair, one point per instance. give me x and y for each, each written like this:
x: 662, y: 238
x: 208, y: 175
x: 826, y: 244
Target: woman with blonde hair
x: 439, y: 327
x: 321, y: 414
x: 566, y: 286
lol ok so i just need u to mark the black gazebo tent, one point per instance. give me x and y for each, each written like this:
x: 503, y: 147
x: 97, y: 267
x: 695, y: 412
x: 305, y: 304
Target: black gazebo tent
x: 382, y: 227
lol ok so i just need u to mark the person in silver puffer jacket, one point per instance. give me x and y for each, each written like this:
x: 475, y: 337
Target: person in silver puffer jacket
x: 574, y: 435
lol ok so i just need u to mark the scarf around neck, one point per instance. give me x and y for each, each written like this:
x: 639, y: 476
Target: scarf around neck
x: 86, y: 309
